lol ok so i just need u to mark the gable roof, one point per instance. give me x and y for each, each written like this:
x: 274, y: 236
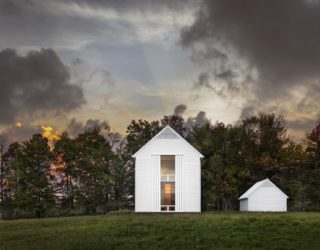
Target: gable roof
x: 168, y: 133
x: 264, y: 183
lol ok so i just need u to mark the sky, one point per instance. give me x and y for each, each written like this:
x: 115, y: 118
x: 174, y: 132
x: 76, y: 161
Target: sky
x: 71, y: 64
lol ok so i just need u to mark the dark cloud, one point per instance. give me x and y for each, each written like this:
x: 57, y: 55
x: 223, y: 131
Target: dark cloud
x: 279, y: 39
x: 101, y: 77
x: 76, y: 61
x: 270, y: 48
x: 54, y: 24
x: 37, y: 83
x: 223, y: 83
x: 15, y: 134
x: 198, y: 121
x: 247, y: 112
x: 180, y: 109
x: 302, y: 124
x: 203, y: 81
x: 75, y: 23
x: 75, y: 127
x: 141, y: 5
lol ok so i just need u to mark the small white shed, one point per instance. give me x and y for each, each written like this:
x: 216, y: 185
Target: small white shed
x: 264, y: 196
x: 167, y: 175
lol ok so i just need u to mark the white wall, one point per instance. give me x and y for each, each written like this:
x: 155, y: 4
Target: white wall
x: 143, y: 184
x: 191, y: 185
x: 188, y: 176
x: 267, y: 199
x: 179, y: 183
x: 244, y: 205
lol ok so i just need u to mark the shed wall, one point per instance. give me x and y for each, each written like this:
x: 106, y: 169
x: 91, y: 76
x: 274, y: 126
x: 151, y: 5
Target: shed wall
x: 244, y: 205
x: 268, y: 199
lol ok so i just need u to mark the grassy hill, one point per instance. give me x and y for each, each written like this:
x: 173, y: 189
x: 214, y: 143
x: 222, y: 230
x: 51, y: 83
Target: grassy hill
x: 166, y: 231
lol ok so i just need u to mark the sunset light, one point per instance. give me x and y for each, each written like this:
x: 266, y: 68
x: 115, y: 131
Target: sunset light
x: 48, y: 133
x: 18, y: 124
x: 160, y: 124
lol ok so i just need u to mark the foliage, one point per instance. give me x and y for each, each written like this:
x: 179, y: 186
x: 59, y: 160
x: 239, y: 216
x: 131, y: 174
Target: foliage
x: 93, y: 172
x: 29, y: 180
x: 219, y: 184
x: 66, y: 153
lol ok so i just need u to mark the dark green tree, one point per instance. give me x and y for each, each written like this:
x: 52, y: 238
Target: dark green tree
x: 313, y: 166
x: 65, y: 160
x: 218, y: 143
x: 30, y: 177
x: 94, y: 165
x: 138, y: 134
x: 9, y: 158
x: 313, y: 145
x: 3, y: 148
x: 264, y: 141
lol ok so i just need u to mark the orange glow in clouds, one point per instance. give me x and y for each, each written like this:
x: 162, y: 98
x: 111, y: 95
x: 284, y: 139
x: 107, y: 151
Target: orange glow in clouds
x: 18, y: 124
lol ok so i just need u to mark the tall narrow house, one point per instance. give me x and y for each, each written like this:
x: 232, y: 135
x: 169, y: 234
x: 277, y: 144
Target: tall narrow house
x: 167, y: 175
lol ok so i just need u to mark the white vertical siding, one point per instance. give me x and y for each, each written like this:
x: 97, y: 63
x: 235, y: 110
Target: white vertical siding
x: 187, y: 184
x: 179, y: 183
x: 156, y: 192
x: 187, y: 174
x: 143, y: 184
x: 191, y: 187
x: 268, y: 199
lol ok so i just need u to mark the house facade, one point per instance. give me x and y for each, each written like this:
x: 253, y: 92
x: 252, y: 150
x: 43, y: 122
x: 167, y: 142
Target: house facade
x: 167, y: 175
x: 264, y: 196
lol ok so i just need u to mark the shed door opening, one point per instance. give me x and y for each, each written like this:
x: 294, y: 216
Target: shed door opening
x: 167, y: 183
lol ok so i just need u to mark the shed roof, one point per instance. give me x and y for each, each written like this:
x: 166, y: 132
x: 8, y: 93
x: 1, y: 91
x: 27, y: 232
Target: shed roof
x: 168, y: 133
x: 264, y: 183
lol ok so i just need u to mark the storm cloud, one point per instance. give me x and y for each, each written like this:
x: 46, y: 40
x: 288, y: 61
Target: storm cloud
x: 76, y: 127
x: 78, y: 23
x: 199, y: 120
x: 279, y: 39
x: 271, y: 48
x: 35, y: 84
x: 180, y: 109
x: 246, y: 57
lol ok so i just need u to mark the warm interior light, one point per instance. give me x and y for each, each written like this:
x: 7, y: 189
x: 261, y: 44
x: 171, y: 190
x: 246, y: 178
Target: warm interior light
x: 167, y: 189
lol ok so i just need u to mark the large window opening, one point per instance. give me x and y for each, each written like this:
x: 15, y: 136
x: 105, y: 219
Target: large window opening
x: 167, y: 183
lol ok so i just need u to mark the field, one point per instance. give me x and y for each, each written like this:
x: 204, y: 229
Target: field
x: 166, y: 231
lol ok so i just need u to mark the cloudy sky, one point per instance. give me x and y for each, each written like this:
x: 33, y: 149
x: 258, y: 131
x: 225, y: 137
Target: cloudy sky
x: 70, y: 64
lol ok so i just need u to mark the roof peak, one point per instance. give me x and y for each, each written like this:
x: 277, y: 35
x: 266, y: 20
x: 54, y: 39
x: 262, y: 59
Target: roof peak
x: 172, y: 134
x: 258, y: 184
x: 167, y: 133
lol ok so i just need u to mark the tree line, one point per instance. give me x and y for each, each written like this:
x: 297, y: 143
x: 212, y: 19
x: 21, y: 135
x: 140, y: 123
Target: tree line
x: 94, y: 171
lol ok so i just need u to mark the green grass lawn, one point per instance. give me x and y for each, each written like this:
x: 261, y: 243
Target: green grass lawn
x: 166, y: 231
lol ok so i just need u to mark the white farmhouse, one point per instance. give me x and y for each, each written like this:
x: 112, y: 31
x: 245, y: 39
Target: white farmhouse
x: 264, y: 196
x: 167, y: 175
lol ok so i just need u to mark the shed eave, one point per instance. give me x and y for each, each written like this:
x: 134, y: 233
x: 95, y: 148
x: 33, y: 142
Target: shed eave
x: 257, y: 185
